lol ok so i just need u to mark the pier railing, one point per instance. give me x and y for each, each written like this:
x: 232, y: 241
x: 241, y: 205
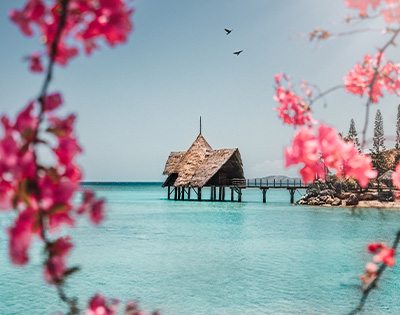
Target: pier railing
x: 274, y: 183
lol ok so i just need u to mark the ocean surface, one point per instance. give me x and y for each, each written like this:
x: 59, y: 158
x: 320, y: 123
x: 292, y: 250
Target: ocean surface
x: 189, y: 257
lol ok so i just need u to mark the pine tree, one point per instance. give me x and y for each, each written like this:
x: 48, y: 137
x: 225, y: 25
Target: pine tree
x: 397, y: 145
x: 378, y: 146
x: 352, y: 135
x: 379, y: 135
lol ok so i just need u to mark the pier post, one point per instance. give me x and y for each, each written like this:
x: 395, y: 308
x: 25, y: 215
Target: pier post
x: 223, y: 193
x: 176, y: 193
x: 264, y: 192
x: 292, y: 191
x: 232, y: 196
x: 212, y: 193
x: 169, y: 192
x: 199, y: 194
x: 240, y: 195
x: 220, y: 193
x: 188, y: 194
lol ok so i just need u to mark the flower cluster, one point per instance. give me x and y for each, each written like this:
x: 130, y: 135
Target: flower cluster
x: 382, y: 255
x: 42, y: 195
x: 391, y: 13
x: 86, y: 21
x: 98, y: 305
x: 325, y: 150
x: 292, y: 109
x: 359, y: 80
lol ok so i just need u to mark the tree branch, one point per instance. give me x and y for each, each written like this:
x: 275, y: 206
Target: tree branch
x: 371, y: 85
x: 41, y: 99
x: 374, y: 283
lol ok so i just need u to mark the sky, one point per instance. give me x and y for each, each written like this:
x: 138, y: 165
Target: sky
x: 139, y: 101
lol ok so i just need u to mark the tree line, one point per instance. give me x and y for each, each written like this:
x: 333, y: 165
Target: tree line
x: 382, y: 159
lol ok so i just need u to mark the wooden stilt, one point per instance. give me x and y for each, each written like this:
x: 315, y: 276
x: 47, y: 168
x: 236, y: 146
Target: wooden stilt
x: 223, y: 193
x: 169, y: 192
x: 240, y: 195
x: 176, y: 193
x: 183, y: 193
x: 292, y: 191
x: 220, y: 193
x: 199, y: 194
x: 264, y: 192
x: 179, y: 193
x: 212, y: 193
x: 232, y: 196
x: 188, y: 195
x: 215, y: 193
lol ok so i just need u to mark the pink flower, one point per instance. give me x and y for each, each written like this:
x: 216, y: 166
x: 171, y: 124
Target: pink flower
x: 112, y: 22
x: 52, y: 101
x: 374, y: 247
x: 20, y: 237
x: 54, y: 269
x: 62, y: 127
x: 359, y: 166
x: 67, y: 149
x: 293, y: 110
x: 386, y: 256
x: 36, y: 64
x: 97, y: 212
x: 99, y: 306
x: 94, y: 208
x: 32, y: 13
x: 26, y: 123
x: 396, y: 176
x: 360, y: 78
x: 327, y: 150
x: 362, y: 5
x: 371, y: 268
x: 55, y: 266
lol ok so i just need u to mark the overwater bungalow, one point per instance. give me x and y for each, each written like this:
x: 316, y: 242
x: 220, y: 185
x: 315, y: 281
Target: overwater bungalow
x: 201, y: 166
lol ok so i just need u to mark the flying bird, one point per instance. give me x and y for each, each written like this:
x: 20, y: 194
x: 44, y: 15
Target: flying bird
x: 237, y: 53
x: 228, y: 31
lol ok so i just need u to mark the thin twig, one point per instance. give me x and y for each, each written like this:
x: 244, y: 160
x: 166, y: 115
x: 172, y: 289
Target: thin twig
x: 323, y: 94
x: 374, y: 283
x: 371, y: 85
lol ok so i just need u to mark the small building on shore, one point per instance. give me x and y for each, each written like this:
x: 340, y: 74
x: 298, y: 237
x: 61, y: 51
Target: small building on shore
x: 201, y: 166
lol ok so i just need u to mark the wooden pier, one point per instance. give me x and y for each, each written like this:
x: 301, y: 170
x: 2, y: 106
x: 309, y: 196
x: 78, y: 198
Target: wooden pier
x: 218, y: 191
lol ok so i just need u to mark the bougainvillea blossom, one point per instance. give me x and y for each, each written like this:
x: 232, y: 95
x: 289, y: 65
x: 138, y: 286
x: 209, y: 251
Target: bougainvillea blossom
x: 359, y: 80
x: 390, y: 11
x: 292, y: 108
x: 324, y: 150
x: 86, y: 21
x: 55, y: 266
x: 35, y: 63
x: 396, y: 176
x: 21, y: 236
x: 99, y: 306
x: 362, y: 5
x: 386, y: 256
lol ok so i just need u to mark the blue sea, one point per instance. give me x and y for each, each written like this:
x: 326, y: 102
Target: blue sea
x: 190, y: 257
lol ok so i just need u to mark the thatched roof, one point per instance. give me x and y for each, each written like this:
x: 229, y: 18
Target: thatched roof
x: 197, y: 166
x: 386, y: 177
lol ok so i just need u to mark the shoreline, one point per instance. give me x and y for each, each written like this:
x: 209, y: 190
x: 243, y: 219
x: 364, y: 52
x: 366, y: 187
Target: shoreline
x: 368, y: 204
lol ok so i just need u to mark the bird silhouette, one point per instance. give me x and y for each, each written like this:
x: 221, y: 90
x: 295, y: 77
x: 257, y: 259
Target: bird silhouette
x: 228, y: 31
x: 237, y: 53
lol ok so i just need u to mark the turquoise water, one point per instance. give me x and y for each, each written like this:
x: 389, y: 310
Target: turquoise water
x: 189, y: 257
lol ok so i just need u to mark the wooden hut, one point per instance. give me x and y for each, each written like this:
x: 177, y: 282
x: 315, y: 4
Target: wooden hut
x: 202, y: 166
